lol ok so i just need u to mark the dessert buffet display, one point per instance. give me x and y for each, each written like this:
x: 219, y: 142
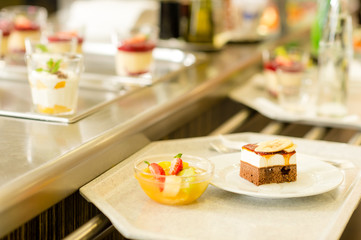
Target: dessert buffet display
x: 110, y: 71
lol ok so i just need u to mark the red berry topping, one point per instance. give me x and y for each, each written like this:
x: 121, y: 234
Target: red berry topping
x: 176, y: 165
x: 159, y: 174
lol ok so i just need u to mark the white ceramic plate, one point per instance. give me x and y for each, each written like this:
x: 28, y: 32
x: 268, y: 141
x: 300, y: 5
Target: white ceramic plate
x: 313, y: 177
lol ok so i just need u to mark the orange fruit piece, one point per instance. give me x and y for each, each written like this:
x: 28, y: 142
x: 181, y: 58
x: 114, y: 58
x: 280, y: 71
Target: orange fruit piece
x: 46, y: 110
x: 61, y: 109
x: 60, y: 85
x: 55, y: 110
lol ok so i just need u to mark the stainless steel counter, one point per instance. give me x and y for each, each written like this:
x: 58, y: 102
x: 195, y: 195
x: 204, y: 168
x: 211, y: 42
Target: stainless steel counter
x: 43, y: 162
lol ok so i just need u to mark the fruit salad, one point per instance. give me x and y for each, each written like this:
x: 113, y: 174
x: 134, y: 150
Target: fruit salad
x: 173, y: 180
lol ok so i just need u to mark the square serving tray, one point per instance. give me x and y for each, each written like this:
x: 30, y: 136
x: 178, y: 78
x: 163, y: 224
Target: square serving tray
x: 254, y: 95
x: 219, y: 214
x: 99, y: 85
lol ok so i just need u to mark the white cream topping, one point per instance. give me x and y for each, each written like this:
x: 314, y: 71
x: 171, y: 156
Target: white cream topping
x: 266, y: 160
x: 45, y: 94
x: 133, y: 62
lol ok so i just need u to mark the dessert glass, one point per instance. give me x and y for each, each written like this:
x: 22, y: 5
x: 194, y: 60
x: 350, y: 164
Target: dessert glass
x: 294, y: 79
x: 134, y: 55
x: 183, y: 189
x: 5, y: 28
x: 44, y: 46
x: 65, y: 38
x: 54, y: 82
x: 28, y: 21
x: 270, y: 65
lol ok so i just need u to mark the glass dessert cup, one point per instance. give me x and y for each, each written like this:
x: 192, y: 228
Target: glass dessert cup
x: 54, y: 81
x: 5, y: 28
x: 60, y: 44
x: 134, y: 55
x: 288, y: 58
x: 180, y: 189
x: 64, y: 38
x: 44, y: 46
x: 294, y: 82
x: 28, y: 22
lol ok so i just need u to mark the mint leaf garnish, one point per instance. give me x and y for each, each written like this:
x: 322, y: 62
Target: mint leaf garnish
x: 50, y: 64
x: 179, y: 155
x: 56, y: 66
x: 42, y: 47
x: 146, y: 162
x: 53, y: 67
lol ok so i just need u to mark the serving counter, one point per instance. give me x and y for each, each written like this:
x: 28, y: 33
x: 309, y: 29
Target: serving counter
x: 44, y: 163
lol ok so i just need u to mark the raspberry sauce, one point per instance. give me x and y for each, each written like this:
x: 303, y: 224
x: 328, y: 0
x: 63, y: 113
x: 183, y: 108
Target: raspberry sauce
x: 137, y: 47
x: 56, y: 38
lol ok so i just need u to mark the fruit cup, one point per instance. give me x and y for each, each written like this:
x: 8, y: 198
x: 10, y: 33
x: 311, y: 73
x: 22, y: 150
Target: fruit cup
x: 134, y: 55
x: 54, y: 80
x: 164, y: 186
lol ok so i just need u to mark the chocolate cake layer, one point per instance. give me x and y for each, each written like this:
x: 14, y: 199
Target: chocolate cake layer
x: 274, y: 174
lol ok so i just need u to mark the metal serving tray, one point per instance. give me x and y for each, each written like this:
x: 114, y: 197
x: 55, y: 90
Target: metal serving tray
x: 99, y: 85
x: 254, y: 95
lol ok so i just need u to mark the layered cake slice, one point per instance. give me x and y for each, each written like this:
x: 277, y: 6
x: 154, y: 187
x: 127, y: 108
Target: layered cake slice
x: 269, y: 162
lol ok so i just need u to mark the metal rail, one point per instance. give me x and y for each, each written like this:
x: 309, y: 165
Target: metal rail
x: 273, y: 128
x: 90, y: 229
x: 356, y: 139
x: 315, y: 133
x: 232, y: 124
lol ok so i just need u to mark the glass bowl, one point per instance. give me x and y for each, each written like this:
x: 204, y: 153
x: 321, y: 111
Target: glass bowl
x: 183, y: 188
